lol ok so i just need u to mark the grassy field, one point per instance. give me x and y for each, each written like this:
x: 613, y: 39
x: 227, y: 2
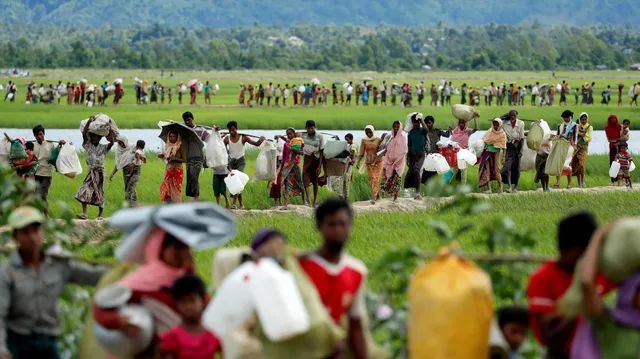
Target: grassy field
x: 376, y: 233
x: 256, y: 195
x: 20, y: 115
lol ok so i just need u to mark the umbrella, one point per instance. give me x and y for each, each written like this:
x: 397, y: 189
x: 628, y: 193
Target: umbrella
x: 192, y: 82
x: 200, y: 225
x: 187, y: 134
x: 394, y: 84
x: 336, y: 83
x: 367, y: 79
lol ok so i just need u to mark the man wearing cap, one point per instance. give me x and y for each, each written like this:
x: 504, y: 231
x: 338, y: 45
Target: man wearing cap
x: 30, y: 284
x: 514, y: 129
x: 569, y: 131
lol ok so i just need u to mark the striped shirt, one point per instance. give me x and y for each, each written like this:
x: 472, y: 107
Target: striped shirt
x: 624, y: 158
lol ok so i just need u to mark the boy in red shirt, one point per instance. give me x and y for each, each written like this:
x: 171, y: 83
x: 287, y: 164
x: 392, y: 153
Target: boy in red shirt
x: 549, y: 282
x: 339, y: 278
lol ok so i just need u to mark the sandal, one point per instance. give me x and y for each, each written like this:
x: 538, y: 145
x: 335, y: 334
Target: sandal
x: 99, y: 219
x: 233, y: 206
x: 568, y: 188
x: 556, y: 186
x: 81, y: 216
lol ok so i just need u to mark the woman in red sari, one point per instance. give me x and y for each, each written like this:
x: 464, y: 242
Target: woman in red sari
x: 612, y: 130
x: 174, y: 154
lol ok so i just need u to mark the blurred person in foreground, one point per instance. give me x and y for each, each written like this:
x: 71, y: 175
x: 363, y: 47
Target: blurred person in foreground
x: 31, y: 282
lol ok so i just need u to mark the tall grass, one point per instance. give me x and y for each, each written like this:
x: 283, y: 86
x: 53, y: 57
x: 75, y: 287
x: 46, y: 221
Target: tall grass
x: 376, y: 233
x: 256, y: 195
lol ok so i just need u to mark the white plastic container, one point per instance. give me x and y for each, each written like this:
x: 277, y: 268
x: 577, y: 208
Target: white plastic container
x: 615, y: 169
x: 278, y: 302
x: 234, y: 184
x: 68, y: 163
x: 236, y: 181
x: 435, y: 162
x: 233, y: 303
x: 466, y: 158
x: 632, y: 166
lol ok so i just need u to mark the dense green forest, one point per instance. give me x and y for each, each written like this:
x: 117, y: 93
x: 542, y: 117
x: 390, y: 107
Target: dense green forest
x: 317, y: 47
x: 229, y: 13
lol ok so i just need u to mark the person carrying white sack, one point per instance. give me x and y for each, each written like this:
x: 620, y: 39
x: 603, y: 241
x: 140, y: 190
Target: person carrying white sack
x: 129, y: 159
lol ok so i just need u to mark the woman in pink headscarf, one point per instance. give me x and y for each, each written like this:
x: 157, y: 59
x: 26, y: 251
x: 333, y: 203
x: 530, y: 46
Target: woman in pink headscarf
x: 167, y: 259
x: 394, y: 160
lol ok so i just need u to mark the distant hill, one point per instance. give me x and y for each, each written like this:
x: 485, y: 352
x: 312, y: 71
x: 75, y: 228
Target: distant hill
x: 231, y: 13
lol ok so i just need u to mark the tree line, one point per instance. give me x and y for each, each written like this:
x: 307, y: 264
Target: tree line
x: 326, y: 48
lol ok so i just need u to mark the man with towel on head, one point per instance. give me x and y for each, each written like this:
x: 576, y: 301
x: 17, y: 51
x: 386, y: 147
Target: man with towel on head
x: 195, y: 157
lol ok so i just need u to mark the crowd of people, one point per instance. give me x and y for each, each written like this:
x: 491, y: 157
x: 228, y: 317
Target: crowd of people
x: 302, y: 166
x: 315, y: 94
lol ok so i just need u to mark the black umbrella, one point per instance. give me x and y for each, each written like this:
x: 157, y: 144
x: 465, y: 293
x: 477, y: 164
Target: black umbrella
x: 189, y: 136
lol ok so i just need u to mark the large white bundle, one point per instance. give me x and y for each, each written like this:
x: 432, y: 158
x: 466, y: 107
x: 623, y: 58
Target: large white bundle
x: 632, y: 90
x: 101, y: 125
x: 266, y: 163
x: 200, y: 87
x: 41, y: 91
x: 302, y: 88
x: 117, y: 82
x: 62, y: 90
x: 336, y: 149
x: 83, y: 82
x: 408, y: 125
x: 462, y: 112
x: 435, y: 162
x: 68, y: 163
x: 183, y: 89
x: 217, y: 87
x: 528, y: 159
x: 1, y: 88
x: 111, y: 89
x: 216, y: 152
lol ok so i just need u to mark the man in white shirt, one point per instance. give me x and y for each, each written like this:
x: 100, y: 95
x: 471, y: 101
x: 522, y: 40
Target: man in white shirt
x: 514, y: 129
x: 534, y: 93
x: 383, y: 93
x: 42, y: 149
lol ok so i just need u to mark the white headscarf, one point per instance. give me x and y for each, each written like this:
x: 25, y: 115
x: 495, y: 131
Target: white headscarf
x: 373, y: 130
x: 124, y: 155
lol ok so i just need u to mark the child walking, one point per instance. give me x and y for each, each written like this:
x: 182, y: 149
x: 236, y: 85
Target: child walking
x: 92, y: 190
x: 190, y: 340
x: 219, y: 187
x: 625, y: 159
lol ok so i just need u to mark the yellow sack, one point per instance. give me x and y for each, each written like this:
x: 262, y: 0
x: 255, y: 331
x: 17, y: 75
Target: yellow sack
x: 450, y: 310
x: 321, y: 340
x: 89, y: 347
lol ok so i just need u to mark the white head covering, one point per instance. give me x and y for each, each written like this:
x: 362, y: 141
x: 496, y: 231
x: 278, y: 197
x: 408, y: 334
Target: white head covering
x: 373, y: 130
x: 124, y: 155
